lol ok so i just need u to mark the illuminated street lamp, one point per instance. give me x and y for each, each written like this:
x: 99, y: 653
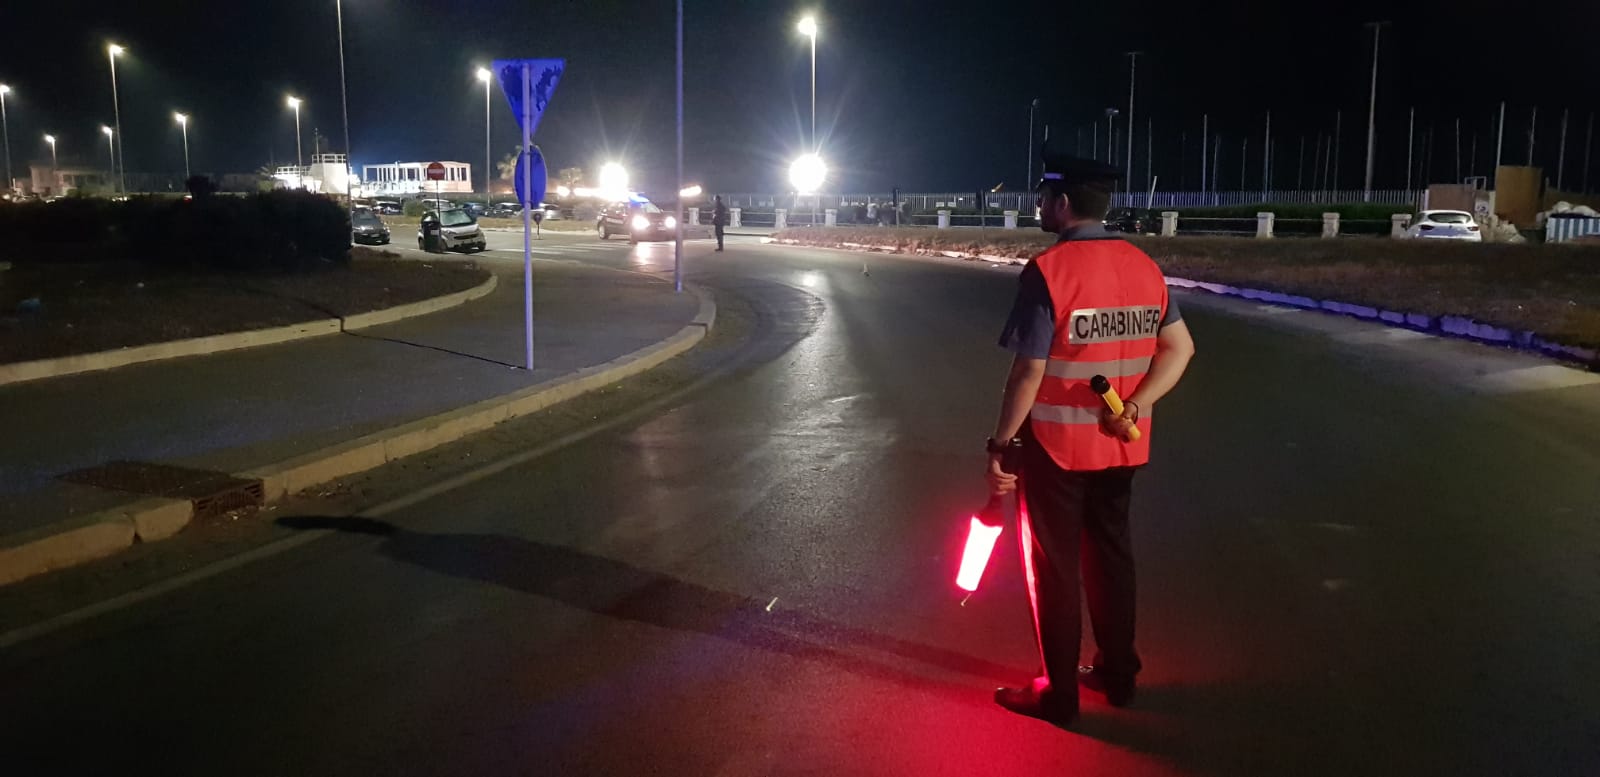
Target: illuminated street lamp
x: 807, y: 174
x: 183, y: 121
x: 690, y: 192
x: 487, y: 78
x: 613, y: 181
x: 5, y: 129
x: 111, y: 147
x: 808, y: 28
x: 299, y: 160
x: 51, y: 139
x: 119, y: 162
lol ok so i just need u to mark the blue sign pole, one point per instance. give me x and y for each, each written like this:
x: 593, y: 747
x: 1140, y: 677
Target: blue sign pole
x: 528, y: 85
x: 527, y: 210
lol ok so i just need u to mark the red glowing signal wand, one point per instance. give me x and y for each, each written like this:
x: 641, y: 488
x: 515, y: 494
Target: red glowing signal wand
x: 985, y: 527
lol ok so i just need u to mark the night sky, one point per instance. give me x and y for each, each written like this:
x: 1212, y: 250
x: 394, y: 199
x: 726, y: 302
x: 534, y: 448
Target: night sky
x: 928, y: 95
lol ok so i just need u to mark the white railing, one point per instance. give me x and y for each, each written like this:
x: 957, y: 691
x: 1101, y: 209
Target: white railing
x: 1023, y: 202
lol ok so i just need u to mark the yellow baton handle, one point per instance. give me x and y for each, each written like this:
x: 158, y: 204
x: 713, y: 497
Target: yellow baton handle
x: 1099, y: 385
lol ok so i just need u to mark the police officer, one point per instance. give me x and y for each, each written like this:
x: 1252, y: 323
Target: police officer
x: 1092, y: 304
x: 719, y: 219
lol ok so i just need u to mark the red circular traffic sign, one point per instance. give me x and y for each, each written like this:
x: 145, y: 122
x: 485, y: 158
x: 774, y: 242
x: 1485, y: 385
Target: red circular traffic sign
x: 435, y: 171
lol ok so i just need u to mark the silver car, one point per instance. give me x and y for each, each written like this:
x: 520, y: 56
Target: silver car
x: 458, y: 230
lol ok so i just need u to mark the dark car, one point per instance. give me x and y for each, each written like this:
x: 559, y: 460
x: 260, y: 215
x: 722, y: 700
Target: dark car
x: 639, y: 219
x: 505, y: 210
x: 366, y: 228
x: 1134, y: 221
x: 477, y: 209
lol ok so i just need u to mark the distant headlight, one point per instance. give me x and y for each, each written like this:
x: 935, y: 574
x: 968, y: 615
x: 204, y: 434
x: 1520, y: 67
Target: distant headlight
x: 640, y: 222
x: 670, y: 223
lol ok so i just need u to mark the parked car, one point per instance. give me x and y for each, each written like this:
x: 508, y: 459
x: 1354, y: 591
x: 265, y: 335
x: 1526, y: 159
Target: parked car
x: 366, y: 228
x: 437, y: 204
x: 388, y: 207
x: 1134, y: 221
x: 477, y: 209
x: 505, y: 210
x: 457, y: 228
x: 639, y: 219
x: 1445, y: 225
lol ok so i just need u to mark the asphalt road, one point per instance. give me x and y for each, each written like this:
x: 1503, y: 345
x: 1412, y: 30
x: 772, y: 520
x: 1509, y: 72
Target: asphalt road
x: 1360, y: 553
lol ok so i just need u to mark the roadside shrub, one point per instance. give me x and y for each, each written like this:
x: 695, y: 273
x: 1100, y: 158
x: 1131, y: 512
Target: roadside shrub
x: 413, y: 209
x: 279, y: 230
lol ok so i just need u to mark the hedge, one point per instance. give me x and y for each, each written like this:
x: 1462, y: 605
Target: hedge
x: 283, y: 230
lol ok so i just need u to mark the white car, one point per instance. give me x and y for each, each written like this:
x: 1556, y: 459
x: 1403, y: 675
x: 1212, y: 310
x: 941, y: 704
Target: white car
x: 1445, y: 225
x: 458, y: 230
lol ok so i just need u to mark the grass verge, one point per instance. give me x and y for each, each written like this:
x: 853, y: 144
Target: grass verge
x: 52, y: 310
x: 1553, y: 290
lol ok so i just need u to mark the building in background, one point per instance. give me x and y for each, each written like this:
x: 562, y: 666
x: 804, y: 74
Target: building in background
x: 327, y: 174
x: 412, y: 177
x: 47, y: 181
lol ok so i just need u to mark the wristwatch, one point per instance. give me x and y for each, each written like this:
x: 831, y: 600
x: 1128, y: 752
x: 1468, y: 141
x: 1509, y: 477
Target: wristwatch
x: 1000, y: 446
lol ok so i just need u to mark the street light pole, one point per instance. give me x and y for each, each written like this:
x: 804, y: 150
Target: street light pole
x: 1372, y: 112
x: 808, y: 28
x: 677, y: 245
x: 183, y: 122
x: 51, y: 139
x: 119, y: 161
x: 5, y: 129
x: 487, y: 78
x: 1533, y: 128
x: 1561, y: 156
x: 1133, y: 60
x: 1111, y: 132
x: 1205, y: 132
x: 111, y: 148
x: 299, y: 157
x: 1266, y: 157
x: 1411, y: 131
x: 344, y: 107
x: 1027, y: 180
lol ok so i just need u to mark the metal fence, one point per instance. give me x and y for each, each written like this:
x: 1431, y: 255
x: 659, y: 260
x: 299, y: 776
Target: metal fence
x: 1561, y: 230
x: 1173, y: 200
x: 1023, y: 202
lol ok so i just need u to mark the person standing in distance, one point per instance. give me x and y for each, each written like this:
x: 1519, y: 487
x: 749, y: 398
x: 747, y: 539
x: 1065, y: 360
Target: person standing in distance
x: 719, y: 219
x: 1092, y: 304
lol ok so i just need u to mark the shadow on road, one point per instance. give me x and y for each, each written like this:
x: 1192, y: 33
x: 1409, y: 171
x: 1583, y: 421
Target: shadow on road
x: 617, y: 590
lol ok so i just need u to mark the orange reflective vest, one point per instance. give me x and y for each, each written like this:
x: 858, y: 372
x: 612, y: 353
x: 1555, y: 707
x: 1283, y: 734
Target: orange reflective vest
x: 1110, y: 299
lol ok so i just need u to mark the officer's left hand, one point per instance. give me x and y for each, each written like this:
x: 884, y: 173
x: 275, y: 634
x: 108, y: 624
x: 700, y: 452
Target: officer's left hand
x: 1115, y: 425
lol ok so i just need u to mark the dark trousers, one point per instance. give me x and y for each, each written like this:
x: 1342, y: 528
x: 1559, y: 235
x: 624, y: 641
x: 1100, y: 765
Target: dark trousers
x: 719, y: 237
x: 1079, y: 518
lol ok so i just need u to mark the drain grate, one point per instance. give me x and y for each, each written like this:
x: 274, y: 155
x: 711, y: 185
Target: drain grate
x: 211, y: 493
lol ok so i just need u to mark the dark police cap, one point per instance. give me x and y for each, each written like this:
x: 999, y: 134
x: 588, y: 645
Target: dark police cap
x: 1060, y: 167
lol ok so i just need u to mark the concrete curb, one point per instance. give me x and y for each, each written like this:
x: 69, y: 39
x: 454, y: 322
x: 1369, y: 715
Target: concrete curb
x: 90, y: 536
x: 87, y: 538
x: 1460, y: 327
x: 20, y: 372
x: 420, y: 307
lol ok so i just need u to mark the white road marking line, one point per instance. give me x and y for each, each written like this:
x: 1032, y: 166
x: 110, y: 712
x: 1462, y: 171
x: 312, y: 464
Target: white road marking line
x: 769, y: 604
x: 1276, y: 310
x: 1335, y: 585
x: 1540, y: 378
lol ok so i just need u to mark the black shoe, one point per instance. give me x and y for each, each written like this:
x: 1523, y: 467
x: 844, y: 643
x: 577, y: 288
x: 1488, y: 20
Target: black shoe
x: 1035, y: 704
x: 1118, y: 690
